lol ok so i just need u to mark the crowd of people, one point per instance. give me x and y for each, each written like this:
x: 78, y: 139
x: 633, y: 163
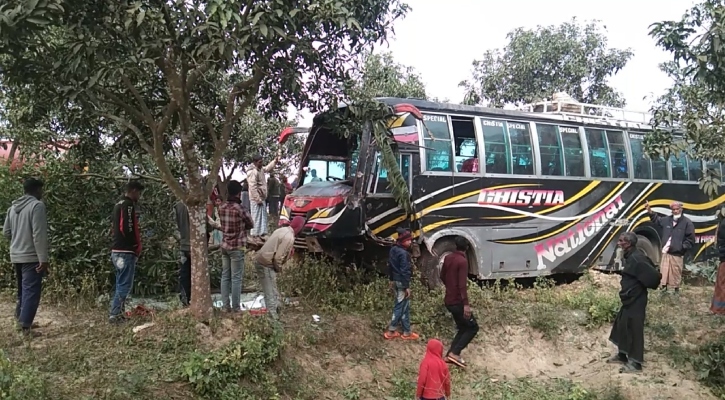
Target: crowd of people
x: 26, y: 228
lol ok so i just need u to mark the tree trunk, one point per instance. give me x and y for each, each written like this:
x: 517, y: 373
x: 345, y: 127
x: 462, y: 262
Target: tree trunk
x: 201, y: 304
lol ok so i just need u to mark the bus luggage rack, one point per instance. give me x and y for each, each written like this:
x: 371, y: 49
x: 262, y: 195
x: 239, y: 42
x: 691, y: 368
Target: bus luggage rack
x: 568, y: 107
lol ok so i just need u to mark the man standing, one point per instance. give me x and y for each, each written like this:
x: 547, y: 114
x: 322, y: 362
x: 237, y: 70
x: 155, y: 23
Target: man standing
x: 276, y: 193
x: 126, y: 248
x: 181, y: 215
x: 638, y: 275
x: 678, y: 234
x: 26, y: 227
x: 400, y: 273
x: 454, y: 275
x: 315, y: 178
x: 270, y: 258
x: 235, y: 222
x: 257, y: 180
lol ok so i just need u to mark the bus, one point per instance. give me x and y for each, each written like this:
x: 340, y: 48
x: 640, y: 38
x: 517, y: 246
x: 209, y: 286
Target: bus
x: 545, y: 189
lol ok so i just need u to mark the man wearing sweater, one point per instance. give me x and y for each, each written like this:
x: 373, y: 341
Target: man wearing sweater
x: 26, y: 227
x: 454, y: 275
x: 400, y: 273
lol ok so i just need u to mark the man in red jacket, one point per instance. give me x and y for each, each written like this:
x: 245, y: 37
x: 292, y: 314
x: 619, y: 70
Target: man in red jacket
x: 454, y: 275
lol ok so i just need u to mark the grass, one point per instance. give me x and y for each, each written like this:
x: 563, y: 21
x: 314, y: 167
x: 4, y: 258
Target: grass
x: 342, y: 356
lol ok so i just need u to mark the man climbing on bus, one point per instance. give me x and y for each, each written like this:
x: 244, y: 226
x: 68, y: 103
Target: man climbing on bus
x: 678, y: 235
x: 454, y: 275
x: 400, y: 273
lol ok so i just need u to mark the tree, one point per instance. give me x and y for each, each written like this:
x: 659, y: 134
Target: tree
x: 182, y: 73
x: 536, y: 63
x: 690, y: 116
x: 381, y: 76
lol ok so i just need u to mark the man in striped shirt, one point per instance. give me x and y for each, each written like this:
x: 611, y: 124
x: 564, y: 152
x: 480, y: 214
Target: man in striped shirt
x: 235, y: 221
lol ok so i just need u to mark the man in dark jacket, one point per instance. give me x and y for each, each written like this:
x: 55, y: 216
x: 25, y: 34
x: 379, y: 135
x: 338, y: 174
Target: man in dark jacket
x: 126, y: 248
x: 26, y: 227
x: 638, y: 275
x: 400, y: 273
x: 678, y: 235
x: 454, y: 275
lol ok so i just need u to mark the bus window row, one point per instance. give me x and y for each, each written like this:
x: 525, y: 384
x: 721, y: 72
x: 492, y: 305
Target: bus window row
x: 451, y: 145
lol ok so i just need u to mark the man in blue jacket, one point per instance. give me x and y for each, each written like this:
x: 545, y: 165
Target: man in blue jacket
x: 400, y: 273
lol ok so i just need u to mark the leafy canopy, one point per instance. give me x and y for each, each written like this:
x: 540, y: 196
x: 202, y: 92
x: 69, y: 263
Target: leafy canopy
x: 689, y: 118
x: 536, y: 63
x: 182, y: 73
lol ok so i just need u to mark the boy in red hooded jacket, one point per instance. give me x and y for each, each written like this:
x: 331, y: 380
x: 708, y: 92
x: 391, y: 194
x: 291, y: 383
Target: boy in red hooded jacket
x: 434, y: 379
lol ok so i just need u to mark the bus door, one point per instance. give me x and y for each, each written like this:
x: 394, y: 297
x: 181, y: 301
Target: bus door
x: 383, y: 215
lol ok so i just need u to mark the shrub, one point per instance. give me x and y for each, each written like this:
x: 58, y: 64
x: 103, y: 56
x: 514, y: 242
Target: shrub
x: 18, y: 383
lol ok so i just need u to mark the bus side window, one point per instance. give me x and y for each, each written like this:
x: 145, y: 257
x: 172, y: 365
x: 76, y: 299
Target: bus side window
x: 695, y: 167
x: 380, y: 183
x: 522, y: 156
x: 640, y: 159
x: 496, y: 147
x: 466, y: 147
x: 679, y: 167
x: 659, y: 169
x: 573, y: 152
x: 618, y: 154
x: 598, y: 153
x: 438, y: 152
x: 715, y: 168
x: 552, y: 162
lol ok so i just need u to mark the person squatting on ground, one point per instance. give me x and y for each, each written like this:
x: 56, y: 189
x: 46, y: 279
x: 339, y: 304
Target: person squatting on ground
x: 638, y: 275
x: 183, y: 234
x: 400, y: 272
x: 454, y: 275
x: 257, y: 180
x: 26, y: 227
x: 126, y: 248
x: 434, y: 379
x: 235, y: 221
x: 717, y: 306
x: 270, y: 258
x: 678, y: 234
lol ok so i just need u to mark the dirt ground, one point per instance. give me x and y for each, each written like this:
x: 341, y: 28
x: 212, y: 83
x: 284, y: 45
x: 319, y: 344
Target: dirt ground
x: 350, y: 353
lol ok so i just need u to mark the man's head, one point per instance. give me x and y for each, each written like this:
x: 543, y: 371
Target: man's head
x: 627, y: 240
x: 461, y: 243
x: 33, y: 187
x: 257, y: 160
x: 234, y: 189
x: 297, y: 224
x: 676, y: 208
x: 313, y: 173
x: 134, y: 190
x: 405, y: 238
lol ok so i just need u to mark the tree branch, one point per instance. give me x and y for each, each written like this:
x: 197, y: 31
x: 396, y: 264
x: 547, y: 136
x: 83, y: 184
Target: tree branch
x: 115, y: 100
x: 147, y: 115
x: 118, y: 178
x: 144, y: 144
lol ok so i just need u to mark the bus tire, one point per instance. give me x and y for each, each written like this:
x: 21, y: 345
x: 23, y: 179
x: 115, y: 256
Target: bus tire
x: 647, y: 247
x: 430, y: 265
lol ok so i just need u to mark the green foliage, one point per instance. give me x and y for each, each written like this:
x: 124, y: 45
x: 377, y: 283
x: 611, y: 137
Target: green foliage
x: 709, y: 364
x: 79, y: 210
x: 601, y: 307
x: 381, y: 76
x: 21, y: 383
x: 706, y: 269
x: 240, y: 369
x: 689, y: 118
x: 536, y: 63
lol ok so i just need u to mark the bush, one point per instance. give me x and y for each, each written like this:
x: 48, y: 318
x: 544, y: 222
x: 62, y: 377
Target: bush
x: 709, y: 363
x: 17, y: 383
x: 601, y: 308
x: 79, y: 209
x: 239, y: 370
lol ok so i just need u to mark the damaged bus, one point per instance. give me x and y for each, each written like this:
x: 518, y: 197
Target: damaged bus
x: 542, y: 190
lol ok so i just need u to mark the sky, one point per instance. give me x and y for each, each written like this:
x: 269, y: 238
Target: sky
x: 440, y: 39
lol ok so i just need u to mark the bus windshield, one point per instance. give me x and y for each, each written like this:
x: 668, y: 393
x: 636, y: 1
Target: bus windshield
x: 321, y: 170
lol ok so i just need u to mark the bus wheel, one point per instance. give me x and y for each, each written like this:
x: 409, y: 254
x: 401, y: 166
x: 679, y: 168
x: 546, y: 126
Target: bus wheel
x: 430, y: 265
x: 648, y: 248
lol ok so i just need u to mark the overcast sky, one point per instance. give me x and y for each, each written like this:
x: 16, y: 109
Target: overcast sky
x: 440, y: 39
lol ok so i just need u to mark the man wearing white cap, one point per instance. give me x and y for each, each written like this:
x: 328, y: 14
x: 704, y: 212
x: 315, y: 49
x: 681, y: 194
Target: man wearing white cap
x: 678, y: 235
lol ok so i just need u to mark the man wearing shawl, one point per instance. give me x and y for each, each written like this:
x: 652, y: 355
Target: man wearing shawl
x: 400, y: 273
x: 678, y: 235
x: 638, y: 275
x: 434, y: 379
x: 270, y: 258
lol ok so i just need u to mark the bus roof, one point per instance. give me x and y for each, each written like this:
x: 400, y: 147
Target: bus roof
x: 577, y: 118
